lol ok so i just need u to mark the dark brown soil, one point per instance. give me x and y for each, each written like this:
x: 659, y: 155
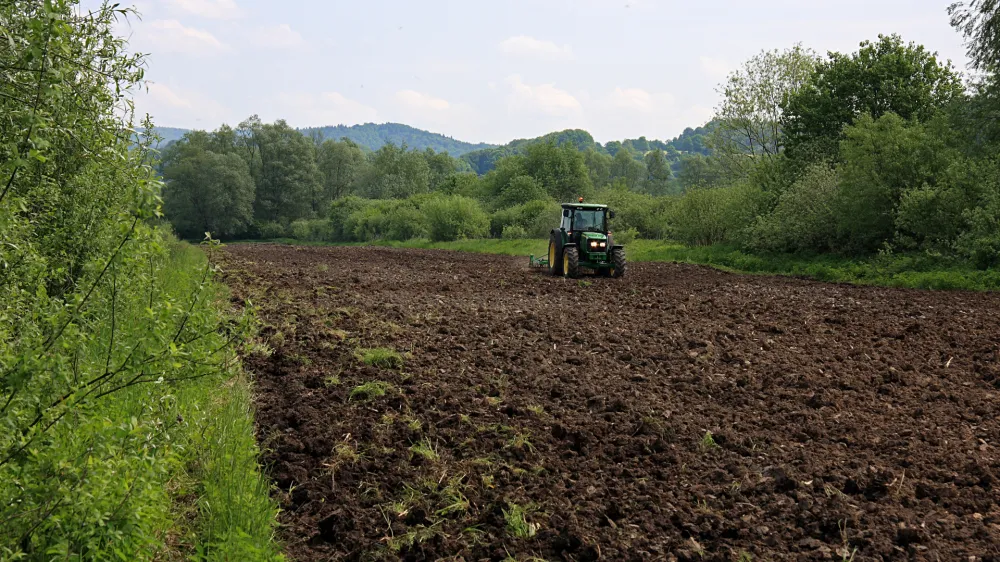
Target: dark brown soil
x: 680, y: 413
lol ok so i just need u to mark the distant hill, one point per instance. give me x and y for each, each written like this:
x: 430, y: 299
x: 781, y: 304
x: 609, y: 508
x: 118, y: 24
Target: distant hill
x: 170, y: 134
x: 482, y: 157
x: 691, y: 141
x: 374, y: 136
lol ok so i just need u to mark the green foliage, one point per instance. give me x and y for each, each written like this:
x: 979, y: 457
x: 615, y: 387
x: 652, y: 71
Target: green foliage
x: 882, y: 159
x: 340, y: 164
x: 312, y: 230
x: 749, y: 118
x: 804, y: 218
x: 395, y: 173
x: 715, y: 216
x: 369, y: 391
x: 208, y: 192
x: 513, y: 232
x: 535, y: 218
x: 886, y: 76
x: 381, y: 357
x: 271, y: 230
x: 112, y: 343
x: 451, y: 217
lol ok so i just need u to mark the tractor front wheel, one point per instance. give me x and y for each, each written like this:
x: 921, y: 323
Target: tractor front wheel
x: 571, y: 262
x: 555, y: 257
x: 618, y: 259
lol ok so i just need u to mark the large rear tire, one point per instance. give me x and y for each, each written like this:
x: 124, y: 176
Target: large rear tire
x: 618, y: 259
x: 571, y: 262
x: 555, y: 256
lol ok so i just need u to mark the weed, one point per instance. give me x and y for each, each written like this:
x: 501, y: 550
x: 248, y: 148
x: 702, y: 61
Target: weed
x: 744, y: 556
x: 417, y: 536
x: 494, y: 401
x: 380, y: 357
x: 369, y: 391
x: 487, y: 480
x: 412, y: 423
x: 584, y: 284
x: 322, y: 268
x: 707, y: 442
x: 425, y: 449
x: 537, y: 410
x: 455, y: 500
x: 520, y: 441
x: 331, y: 380
x: 517, y: 522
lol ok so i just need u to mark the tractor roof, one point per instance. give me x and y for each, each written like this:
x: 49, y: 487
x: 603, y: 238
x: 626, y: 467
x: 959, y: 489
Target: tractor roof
x: 583, y: 206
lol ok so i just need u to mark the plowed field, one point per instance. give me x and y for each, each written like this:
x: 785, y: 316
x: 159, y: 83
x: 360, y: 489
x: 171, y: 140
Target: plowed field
x: 680, y: 413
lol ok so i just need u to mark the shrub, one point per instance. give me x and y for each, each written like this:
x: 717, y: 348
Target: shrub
x: 804, y: 217
x: 514, y: 232
x: 312, y: 230
x: 454, y: 217
x: 405, y: 222
x: 708, y: 216
x: 270, y: 230
x: 626, y: 236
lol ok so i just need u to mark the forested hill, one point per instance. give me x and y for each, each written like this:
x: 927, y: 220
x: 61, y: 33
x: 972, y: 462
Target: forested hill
x: 691, y: 141
x: 374, y: 136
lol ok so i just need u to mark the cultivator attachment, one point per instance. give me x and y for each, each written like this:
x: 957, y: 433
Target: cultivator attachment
x: 532, y: 262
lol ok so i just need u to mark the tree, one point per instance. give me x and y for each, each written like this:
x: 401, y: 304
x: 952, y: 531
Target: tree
x: 598, y: 167
x: 887, y: 76
x: 626, y: 168
x: 749, y: 117
x: 560, y: 169
x: 340, y: 164
x: 208, y: 192
x: 881, y: 160
x: 288, y: 184
x: 699, y: 171
x: 395, y: 173
x: 657, y: 173
x: 979, y: 22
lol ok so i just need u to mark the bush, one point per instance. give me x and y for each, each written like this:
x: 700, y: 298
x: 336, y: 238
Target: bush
x: 803, y: 219
x: 271, y: 230
x: 514, y: 232
x: 644, y: 213
x: 537, y: 218
x: 712, y: 216
x: 312, y: 230
x: 453, y: 217
x: 405, y: 222
x: 626, y: 236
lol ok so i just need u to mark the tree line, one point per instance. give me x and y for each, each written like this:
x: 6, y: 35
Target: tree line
x: 885, y: 149
x: 268, y: 180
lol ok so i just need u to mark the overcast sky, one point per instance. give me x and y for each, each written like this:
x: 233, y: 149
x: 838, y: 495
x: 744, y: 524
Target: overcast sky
x: 487, y: 71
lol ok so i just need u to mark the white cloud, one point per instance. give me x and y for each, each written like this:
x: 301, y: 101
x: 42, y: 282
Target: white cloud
x: 161, y: 95
x: 175, y: 106
x: 637, y: 99
x: 328, y: 108
x: 214, y: 9
x: 170, y: 36
x: 417, y: 100
x: 544, y: 98
x: 522, y: 45
x: 715, y: 68
x: 280, y: 36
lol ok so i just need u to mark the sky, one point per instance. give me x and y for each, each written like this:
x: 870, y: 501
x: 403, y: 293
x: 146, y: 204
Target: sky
x: 485, y: 71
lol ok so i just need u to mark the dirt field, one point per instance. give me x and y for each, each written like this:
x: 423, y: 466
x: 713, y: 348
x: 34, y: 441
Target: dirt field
x: 680, y: 413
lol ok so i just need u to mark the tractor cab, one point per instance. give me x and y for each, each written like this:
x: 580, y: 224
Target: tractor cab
x: 583, y: 241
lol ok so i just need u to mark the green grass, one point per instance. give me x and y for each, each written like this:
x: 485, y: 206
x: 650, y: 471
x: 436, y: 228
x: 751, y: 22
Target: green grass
x: 380, y: 357
x: 916, y: 270
x: 517, y: 522
x: 369, y: 391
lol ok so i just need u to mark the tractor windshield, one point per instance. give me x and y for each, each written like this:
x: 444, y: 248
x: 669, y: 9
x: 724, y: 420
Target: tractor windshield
x: 592, y: 221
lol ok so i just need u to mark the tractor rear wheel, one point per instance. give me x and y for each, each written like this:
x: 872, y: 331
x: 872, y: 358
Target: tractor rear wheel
x: 555, y: 256
x: 571, y: 262
x: 618, y: 259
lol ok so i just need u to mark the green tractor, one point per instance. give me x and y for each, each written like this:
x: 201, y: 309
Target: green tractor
x: 583, y: 241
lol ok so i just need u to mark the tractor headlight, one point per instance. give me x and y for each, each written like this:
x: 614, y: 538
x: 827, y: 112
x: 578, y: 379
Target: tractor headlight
x: 604, y: 244
x: 593, y: 243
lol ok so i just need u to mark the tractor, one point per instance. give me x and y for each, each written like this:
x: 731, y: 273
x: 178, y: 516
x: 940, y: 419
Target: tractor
x: 584, y: 241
